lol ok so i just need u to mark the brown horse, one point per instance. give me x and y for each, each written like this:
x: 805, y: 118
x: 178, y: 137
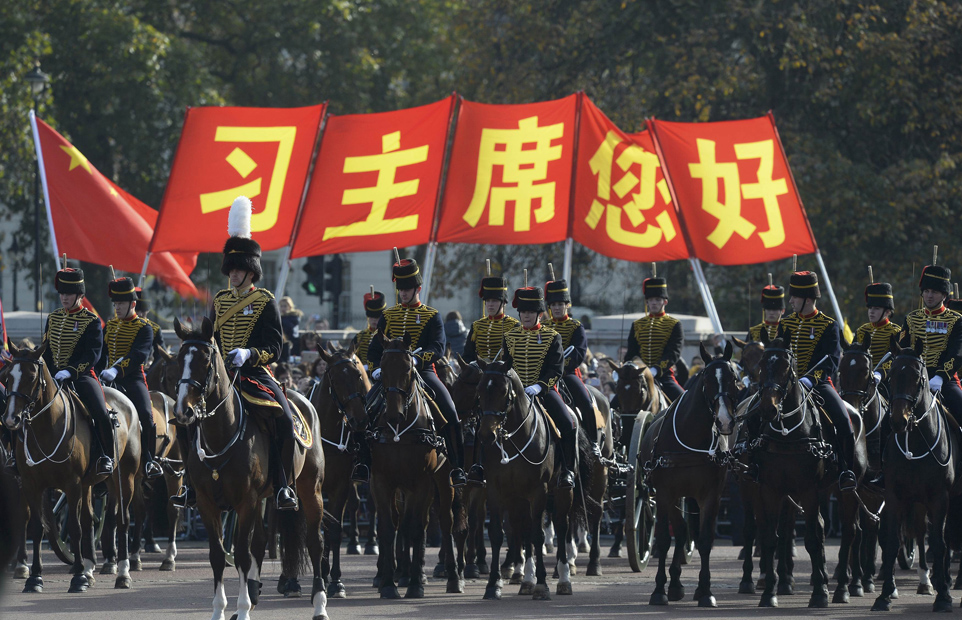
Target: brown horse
x: 54, y: 450
x: 229, y: 467
x: 340, y: 393
x: 407, y: 470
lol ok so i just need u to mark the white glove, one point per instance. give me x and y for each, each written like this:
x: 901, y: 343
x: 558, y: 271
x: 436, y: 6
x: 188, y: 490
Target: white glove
x: 877, y: 376
x: 935, y: 383
x: 569, y: 350
x: 807, y: 382
x: 746, y: 382
x: 532, y: 390
x: 109, y: 375
x: 62, y: 376
x: 376, y: 374
x: 239, y: 357
x: 654, y: 370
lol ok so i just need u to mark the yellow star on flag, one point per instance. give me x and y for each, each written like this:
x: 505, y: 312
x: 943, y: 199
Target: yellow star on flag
x: 76, y: 158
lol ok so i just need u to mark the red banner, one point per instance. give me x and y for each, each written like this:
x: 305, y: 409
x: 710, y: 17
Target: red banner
x: 517, y: 155
x: 375, y: 184
x: 96, y: 221
x: 734, y: 190
x: 622, y: 206
x: 261, y: 153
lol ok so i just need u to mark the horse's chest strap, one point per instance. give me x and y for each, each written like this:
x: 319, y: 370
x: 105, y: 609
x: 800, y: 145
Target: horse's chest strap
x: 817, y: 448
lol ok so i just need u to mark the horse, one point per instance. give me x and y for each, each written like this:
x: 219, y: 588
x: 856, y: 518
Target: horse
x: 11, y: 520
x: 408, y: 468
x: 340, y: 391
x: 922, y: 465
x: 54, y: 449
x: 794, y: 464
x: 520, y: 460
x: 229, y: 467
x: 681, y: 455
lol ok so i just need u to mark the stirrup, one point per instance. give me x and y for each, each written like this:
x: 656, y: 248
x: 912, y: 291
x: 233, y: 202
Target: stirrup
x: 476, y: 476
x: 566, y: 480
x: 105, y: 466
x: 458, y: 479
x: 361, y: 473
x: 153, y: 470
x: 185, y: 498
x: 286, y: 500
x: 847, y: 481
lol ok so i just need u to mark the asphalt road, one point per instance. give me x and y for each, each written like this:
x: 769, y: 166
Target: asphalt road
x: 620, y: 593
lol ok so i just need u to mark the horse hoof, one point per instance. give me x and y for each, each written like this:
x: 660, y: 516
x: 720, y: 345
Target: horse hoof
x: 819, y: 600
x: 541, y: 591
x: 562, y: 588
x: 549, y: 548
x: 882, y: 604
x: 593, y: 570
x: 136, y: 564
x: 746, y: 587
x: 483, y: 568
x: 336, y: 590
x: 676, y: 593
x: 856, y: 590
x: 492, y: 593
x: 79, y: 583
x: 414, y: 591
x: 455, y: 586
x: 707, y: 601
x: 390, y: 592
x: 109, y: 568
x: 895, y: 594
x: 370, y: 550
x: 527, y: 589
x: 21, y: 572
x: 424, y: 579
x: 768, y: 601
x: 168, y: 566
x: 404, y: 581
x: 615, y: 552
x: 471, y: 571
x: 942, y: 605
x: 122, y: 583
x: 517, y: 578
x: 841, y: 595
x: 321, y: 617
x: 786, y: 589
x: 377, y: 582
x: 584, y: 547
x: 354, y: 549
x: 868, y: 585
x: 34, y: 584
x: 440, y: 572
x: 281, y: 584
x: 572, y: 569
x: 658, y: 598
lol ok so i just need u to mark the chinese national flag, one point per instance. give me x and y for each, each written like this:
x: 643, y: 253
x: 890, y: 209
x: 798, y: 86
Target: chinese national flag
x: 261, y: 153
x: 375, y: 184
x: 509, y: 180
x: 734, y: 189
x: 622, y: 205
x: 96, y: 221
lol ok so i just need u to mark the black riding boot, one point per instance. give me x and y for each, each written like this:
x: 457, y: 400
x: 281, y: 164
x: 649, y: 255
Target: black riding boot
x: 569, y: 457
x: 148, y: 439
x: 476, y: 473
x: 454, y: 440
x: 846, y: 464
x: 362, y: 462
x: 286, y: 499
x: 105, y: 438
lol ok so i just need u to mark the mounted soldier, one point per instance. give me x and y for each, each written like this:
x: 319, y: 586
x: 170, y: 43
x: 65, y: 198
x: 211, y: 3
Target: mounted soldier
x: 126, y: 346
x: 877, y: 333
x: 374, y: 305
x: 247, y: 330
x: 814, y: 340
x: 773, y: 307
x: 657, y: 338
x: 534, y: 351
x: 73, y: 340
x: 424, y: 325
x: 487, y: 333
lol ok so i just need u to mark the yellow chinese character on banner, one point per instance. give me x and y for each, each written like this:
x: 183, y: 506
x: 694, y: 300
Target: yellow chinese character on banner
x: 384, y: 191
x: 602, y: 163
x: 522, y: 167
x: 729, y: 213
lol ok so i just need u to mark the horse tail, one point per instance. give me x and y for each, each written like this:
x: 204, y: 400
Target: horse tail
x: 292, y: 527
x: 583, y: 492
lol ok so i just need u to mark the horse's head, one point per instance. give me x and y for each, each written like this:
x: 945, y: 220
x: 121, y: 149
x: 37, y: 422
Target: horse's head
x: 346, y: 386
x: 196, y: 365
x: 397, y: 376
x: 719, y: 387
x: 855, y: 384
x: 464, y: 392
x: 777, y: 378
x: 634, y: 385
x: 496, y: 397
x: 751, y: 356
x: 26, y: 383
x: 909, y: 385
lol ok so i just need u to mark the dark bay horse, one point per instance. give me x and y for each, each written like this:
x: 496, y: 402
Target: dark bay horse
x: 54, y: 450
x: 520, y: 461
x: 923, y: 466
x: 795, y: 465
x: 408, y: 469
x: 339, y: 395
x: 229, y: 467
x: 682, y: 455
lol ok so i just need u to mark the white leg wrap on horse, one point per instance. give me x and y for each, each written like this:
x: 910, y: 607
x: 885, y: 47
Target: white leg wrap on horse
x: 243, y: 597
x: 123, y: 568
x: 923, y: 577
x: 572, y: 552
x: 171, y: 551
x: 564, y: 573
x: 220, y: 601
x: 320, y: 604
x: 529, y: 570
x: 255, y: 573
x: 89, y: 566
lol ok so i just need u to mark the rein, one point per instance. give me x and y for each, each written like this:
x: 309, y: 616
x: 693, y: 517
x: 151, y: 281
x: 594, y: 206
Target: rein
x: 345, y: 433
x: 913, y: 421
x: 29, y: 419
x: 504, y: 436
x: 863, y: 404
x: 409, y: 397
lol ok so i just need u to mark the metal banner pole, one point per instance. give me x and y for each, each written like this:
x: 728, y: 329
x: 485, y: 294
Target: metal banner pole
x: 569, y: 250
x: 428, y: 271
x: 285, y: 271
x: 706, y: 295
x: 831, y: 291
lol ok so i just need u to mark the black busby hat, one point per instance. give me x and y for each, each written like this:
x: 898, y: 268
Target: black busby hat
x: 70, y: 281
x: 143, y: 304
x: 879, y: 295
x: 122, y: 289
x: 804, y: 284
x: 773, y: 297
x: 528, y: 299
x: 407, y: 275
x: 557, y: 290
x: 494, y: 287
x: 655, y: 287
x: 374, y: 304
x: 936, y: 277
x: 240, y: 251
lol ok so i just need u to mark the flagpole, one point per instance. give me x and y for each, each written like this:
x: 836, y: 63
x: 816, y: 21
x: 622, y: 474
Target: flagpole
x: 569, y: 242
x: 432, y: 251
x: 706, y: 295
x: 831, y: 291
x: 43, y: 182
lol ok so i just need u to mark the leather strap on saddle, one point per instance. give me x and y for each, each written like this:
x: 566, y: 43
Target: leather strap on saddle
x: 242, y: 303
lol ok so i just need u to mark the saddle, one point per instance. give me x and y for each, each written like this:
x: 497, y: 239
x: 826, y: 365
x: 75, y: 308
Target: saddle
x: 598, y: 423
x: 541, y: 411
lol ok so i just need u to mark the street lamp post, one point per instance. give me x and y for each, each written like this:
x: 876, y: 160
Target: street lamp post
x: 38, y: 81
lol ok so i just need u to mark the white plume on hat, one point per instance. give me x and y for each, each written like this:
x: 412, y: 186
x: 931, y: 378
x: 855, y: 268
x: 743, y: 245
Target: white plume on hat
x: 239, y: 219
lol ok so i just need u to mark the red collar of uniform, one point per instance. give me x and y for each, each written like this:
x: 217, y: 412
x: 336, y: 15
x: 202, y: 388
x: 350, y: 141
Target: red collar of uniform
x: 561, y: 320
x: 935, y: 312
x: 809, y: 316
x: 76, y: 310
x: 659, y: 315
x: 536, y: 327
x: 496, y: 317
x: 132, y: 317
x: 882, y: 323
x: 414, y: 305
x: 772, y: 323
